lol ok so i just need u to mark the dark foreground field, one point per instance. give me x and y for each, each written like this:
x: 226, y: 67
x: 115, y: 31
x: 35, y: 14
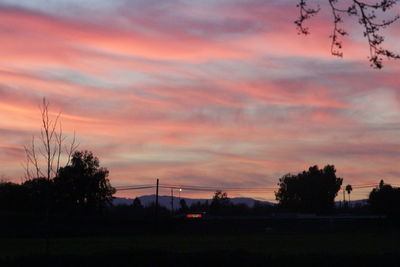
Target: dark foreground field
x: 367, y: 247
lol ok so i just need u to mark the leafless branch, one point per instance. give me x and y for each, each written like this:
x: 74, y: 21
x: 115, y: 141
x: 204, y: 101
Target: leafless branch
x: 50, y: 151
x: 367, y: 18
x: 73, y: 146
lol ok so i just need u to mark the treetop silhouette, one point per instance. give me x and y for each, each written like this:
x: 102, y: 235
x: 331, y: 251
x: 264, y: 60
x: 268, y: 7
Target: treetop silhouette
x: 309, y: 191
x: 83, y: 184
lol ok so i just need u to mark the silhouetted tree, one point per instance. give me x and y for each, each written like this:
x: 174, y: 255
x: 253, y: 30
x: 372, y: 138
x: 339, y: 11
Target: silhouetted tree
x: 349, y: 188
x: 311, y: 191
x: 137, y: 204
x: 385, y: 199
x: 366, y: 14
x: 44, y: 160
x: 83, y: 184
x: 220, y: 203
x: 183, y: 206
x: 137, y: 208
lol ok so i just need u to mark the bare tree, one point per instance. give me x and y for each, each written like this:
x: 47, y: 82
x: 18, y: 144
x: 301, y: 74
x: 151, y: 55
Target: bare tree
x: 32, y: 161
x: 44, y: 160
x: 365, y: 11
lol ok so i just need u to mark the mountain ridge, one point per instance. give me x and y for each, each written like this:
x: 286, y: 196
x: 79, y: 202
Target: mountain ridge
x: 166, y: 201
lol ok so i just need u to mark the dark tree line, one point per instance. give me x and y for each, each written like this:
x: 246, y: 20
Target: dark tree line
x: 311, y: 191
x: 315, y: 191
x: 81, y: 187
x: 220, y: 205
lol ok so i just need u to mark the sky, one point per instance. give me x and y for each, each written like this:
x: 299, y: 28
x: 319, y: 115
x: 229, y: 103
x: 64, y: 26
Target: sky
x: 220, y: 93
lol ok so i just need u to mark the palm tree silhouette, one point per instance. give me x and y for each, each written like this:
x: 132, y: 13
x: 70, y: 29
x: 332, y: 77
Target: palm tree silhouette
x: 349, y: 188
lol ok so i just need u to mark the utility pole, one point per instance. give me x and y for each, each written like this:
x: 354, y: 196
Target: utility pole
x: 156, y: 211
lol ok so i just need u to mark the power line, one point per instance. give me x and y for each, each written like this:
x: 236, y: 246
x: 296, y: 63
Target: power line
x: 222, y: 188
x: 218, y: 187
x: 133, y: 188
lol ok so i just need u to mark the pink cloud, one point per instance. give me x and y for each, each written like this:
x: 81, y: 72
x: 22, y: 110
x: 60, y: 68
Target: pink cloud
x: 234, y: 98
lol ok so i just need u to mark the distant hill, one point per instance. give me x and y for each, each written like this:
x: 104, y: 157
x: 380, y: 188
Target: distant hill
x: 360, y: 202
x: 166, y: 201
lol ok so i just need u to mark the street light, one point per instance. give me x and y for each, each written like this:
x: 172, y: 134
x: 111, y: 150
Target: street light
x: 180, y: 190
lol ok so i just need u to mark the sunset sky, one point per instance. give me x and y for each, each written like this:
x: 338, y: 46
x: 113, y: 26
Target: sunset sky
x: 212, y: 92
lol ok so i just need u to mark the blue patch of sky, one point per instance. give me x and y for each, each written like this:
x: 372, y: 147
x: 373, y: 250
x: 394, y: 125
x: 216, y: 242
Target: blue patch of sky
x: 61, y: 7
x: 72, y: 76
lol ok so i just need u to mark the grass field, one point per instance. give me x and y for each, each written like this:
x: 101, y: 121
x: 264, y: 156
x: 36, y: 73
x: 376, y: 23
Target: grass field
x: 367, y: 246
x: 376, y: 242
